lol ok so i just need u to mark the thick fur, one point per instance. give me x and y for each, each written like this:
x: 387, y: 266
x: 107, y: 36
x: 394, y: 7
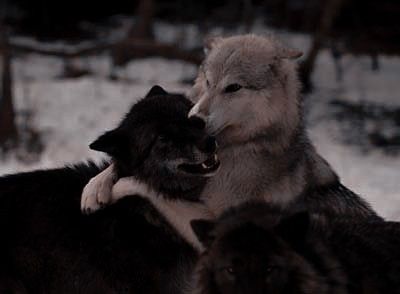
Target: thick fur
x: 49, y: 246
x: 247, y: 91
x: 149, y: 148
x: 154, y: 139
x: 257, y: 248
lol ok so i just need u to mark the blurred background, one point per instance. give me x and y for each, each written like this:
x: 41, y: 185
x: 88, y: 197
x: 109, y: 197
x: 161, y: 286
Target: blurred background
x: 70, y: 69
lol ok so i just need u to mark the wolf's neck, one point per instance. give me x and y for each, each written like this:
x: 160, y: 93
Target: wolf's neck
x: 261, y: 169
x: 177, y: 188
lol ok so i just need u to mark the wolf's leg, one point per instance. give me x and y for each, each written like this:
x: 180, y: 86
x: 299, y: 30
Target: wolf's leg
x: 98, y: 192
x: 130, y: 186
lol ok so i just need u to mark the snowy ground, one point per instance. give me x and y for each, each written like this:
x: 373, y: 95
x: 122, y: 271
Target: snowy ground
x: 70, y: 113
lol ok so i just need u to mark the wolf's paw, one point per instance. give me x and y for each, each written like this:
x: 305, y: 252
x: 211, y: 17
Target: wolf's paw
x: 96, y: 194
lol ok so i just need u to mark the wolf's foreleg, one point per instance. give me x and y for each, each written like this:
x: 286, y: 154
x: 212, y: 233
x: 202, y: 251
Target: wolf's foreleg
x: 98, y: 192
x: 130, y: 186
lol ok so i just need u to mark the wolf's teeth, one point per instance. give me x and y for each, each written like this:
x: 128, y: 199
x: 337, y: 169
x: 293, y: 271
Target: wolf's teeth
x: 203, y: 165
x: 215, y: 157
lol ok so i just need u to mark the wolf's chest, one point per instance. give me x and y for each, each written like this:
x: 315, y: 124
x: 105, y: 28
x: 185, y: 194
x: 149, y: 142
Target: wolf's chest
x: 244, y: 177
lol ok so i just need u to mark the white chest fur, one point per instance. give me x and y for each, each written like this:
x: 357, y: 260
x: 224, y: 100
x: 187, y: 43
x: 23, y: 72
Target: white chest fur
x: 178, y: 213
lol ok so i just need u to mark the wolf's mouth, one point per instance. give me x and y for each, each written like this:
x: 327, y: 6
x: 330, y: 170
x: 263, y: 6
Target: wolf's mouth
x: 207, y: 167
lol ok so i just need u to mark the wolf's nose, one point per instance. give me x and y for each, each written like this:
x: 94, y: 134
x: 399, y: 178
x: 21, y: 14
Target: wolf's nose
x: 209, y: 145
x: 197, y: 122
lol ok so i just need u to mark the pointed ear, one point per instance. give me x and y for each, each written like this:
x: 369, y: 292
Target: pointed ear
x: 203, y: 231
x: 114, y: 143
x: 289, y: 53
x: 294, y: 229
x: 156, y: 91
x: 210, y: 42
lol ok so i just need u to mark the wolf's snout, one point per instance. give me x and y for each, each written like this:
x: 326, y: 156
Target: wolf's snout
x: 195, y: 112
x: 209, y: 145
x: 200, y: 109
x: 197, y: 122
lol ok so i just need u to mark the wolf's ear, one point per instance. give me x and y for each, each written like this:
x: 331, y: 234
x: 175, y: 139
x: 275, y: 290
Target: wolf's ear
x: 294, y: 229
x: 210, y: 42
x: 156, y: 91
x: 203, y: 231
x: 289, y: 53
x: 112, y: 142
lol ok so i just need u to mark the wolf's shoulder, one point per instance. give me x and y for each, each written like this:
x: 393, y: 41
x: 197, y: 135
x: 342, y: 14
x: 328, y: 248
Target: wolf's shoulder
x: 335, y: 200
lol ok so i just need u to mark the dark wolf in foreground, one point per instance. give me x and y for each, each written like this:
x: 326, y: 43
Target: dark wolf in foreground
x: 257, y: 248
x: 47, y: 244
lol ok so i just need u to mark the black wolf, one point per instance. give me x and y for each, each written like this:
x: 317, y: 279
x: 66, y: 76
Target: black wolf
x: 49, y: 246
x: 257, y: 248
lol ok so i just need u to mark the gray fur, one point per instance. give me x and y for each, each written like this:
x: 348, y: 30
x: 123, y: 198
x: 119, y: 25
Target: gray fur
x: 264, y: 150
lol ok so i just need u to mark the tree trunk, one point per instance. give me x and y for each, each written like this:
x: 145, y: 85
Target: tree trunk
x: 143, y: 27
x: 8, y: 129
x: 248, y: 15
x: 328, y: 15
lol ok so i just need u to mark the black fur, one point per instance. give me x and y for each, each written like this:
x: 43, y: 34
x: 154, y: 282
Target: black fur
x: 257, y: 248
x: 47, y: 244
x: 155, y: 132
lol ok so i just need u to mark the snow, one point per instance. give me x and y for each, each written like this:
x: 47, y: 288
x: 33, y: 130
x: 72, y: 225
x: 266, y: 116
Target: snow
x: 62, y: 46
x: 374, y: 175
x: 142, y: 71
x: 70, y: 113
x: 360, y: 82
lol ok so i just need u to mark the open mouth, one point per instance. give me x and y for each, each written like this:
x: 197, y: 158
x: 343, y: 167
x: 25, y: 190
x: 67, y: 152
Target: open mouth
x: 207, y: 167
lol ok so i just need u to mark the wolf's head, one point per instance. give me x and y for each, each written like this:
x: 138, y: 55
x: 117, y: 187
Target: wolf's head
x: 157, y: 143
x: 247, y: 86
x: 245, y: 254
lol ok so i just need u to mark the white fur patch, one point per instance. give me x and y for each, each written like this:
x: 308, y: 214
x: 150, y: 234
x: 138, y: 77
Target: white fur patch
x: 178, y: 213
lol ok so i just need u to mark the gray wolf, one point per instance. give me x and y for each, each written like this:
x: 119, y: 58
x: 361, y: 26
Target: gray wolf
x: 260, y: 248
x: 247, y: 92
x: 49, y: 246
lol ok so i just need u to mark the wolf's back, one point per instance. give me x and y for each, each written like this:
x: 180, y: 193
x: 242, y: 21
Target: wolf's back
x: 48, y: 246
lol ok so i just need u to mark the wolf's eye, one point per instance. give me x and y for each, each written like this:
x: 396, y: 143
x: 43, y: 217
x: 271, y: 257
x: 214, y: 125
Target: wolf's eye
x: 230, y: 270
x: 232, y: 88
x: 162, y: 139
x: 270, y: 269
